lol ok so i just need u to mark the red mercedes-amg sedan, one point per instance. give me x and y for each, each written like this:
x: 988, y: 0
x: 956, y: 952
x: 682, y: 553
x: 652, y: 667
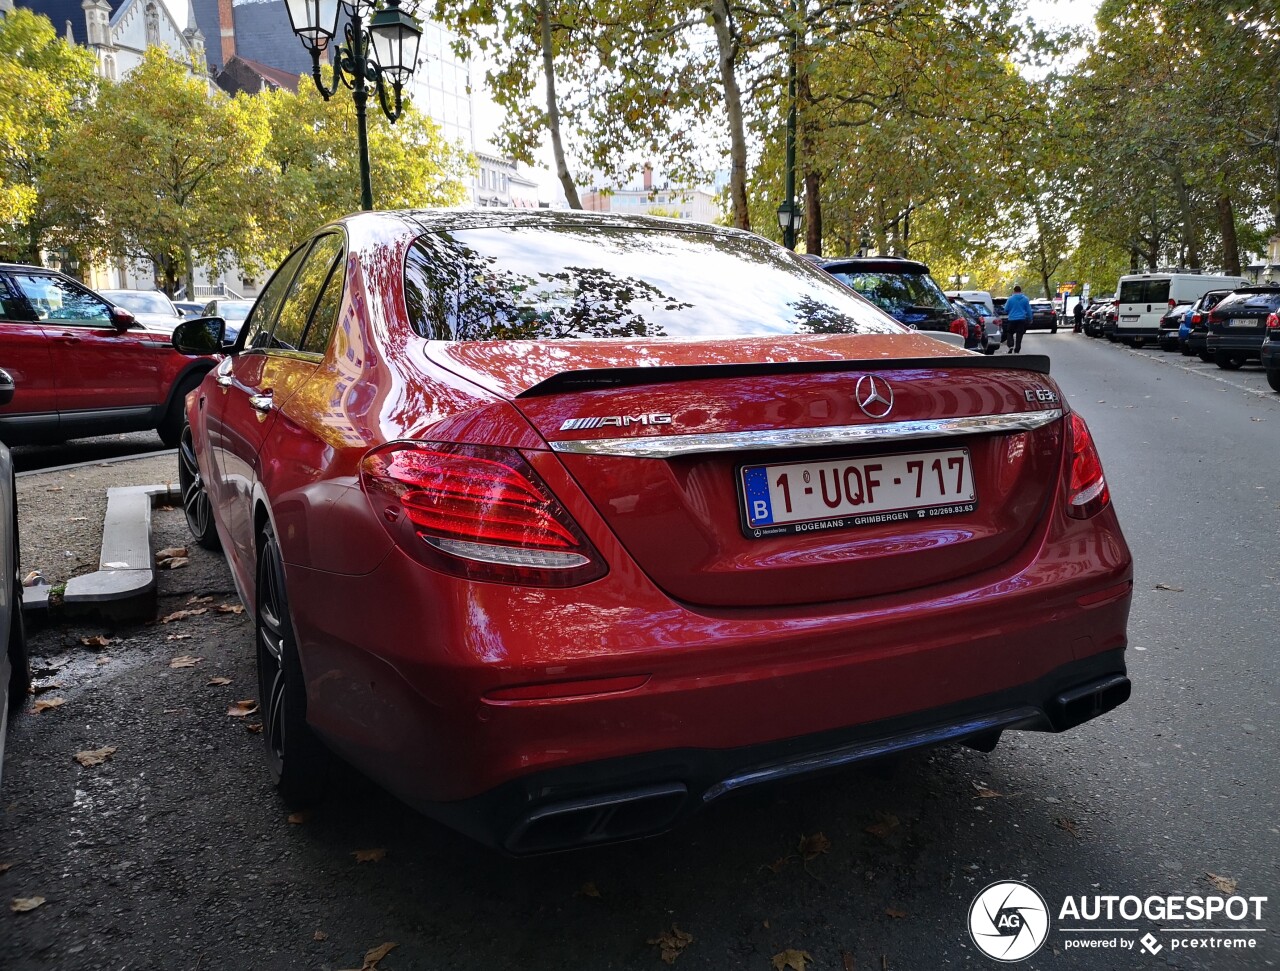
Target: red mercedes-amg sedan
x: 561, y: 526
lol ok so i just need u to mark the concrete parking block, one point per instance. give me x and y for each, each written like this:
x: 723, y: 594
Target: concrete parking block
x: 125, y: 582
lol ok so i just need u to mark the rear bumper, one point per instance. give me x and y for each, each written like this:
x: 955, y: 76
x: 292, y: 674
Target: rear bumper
x: 642, y: 795
x: 1131, y: 330
x: 1250, y: 344
x: 1270, y: 354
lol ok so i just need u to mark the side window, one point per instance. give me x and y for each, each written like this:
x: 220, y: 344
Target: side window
x: 297, y: 306
x: 62, y: 302
x: 257, y: 327
x: 12, y: 306
x: 325, y: 315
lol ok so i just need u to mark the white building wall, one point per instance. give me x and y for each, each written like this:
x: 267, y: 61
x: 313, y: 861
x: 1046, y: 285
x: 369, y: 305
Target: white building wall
x: 439, y: 86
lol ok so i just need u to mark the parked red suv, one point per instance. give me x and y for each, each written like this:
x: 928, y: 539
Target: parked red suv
x: 82, y: 366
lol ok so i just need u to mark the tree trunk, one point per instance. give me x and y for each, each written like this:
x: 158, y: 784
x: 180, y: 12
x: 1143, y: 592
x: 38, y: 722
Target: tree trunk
x: 727, y: 45
x: 1227, y: 228
x: 553, y: 109
x: 1188, y: 256
x: 31, y: 252
x: 812, y: 213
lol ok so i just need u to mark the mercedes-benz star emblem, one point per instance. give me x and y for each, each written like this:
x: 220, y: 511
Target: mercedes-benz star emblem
x: 874, y: 396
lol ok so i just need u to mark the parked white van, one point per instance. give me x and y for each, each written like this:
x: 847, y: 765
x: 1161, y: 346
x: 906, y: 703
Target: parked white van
x: 1146, y: 297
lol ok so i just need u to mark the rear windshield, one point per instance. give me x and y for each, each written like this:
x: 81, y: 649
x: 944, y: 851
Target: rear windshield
x: 140, y: 301
x: 1267, y: 300
x: 1144, y: 291
x: 897, y: 293
x: 575, y: 281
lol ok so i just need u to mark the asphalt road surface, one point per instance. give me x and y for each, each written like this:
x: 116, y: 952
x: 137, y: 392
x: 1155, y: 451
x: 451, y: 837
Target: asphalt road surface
x: 175, y: 853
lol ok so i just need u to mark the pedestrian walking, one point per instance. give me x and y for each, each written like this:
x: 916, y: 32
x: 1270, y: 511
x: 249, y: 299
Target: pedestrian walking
x: 1018, y: 308
x: 1078, y: 313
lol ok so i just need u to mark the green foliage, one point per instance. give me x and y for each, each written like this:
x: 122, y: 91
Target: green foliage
x: 308, y: 172
x: 44, y: 83
x: 160, y: 170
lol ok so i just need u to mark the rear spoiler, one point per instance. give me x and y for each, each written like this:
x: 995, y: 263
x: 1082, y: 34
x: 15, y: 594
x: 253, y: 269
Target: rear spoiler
x: 591, y: 379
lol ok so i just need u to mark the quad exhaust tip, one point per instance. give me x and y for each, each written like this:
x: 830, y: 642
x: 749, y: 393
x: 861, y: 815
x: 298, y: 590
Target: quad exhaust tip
x: 605, y: 818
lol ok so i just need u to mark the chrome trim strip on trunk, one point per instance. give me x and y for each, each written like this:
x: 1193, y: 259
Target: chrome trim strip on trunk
x: 669, y: 446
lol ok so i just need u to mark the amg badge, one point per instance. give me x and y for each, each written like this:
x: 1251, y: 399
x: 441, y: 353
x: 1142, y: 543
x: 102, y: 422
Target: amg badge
x: 614, y: 421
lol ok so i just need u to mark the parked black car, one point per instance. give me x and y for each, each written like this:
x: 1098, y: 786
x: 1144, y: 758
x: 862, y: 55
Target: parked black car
x: 1093, y: 318
x: 1271, y: 352
x: 901, y: 288
x: 1167, y: 337
x: 1043, y: 316
x: 1198, y: 325
x: 1238, y: 325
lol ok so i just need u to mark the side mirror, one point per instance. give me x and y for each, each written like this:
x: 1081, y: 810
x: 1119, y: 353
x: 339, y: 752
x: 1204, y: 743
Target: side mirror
x: 6, y: 387
x: 200, y: 336
x: 121, y: 319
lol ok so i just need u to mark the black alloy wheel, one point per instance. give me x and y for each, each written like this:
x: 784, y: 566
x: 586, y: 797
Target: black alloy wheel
x: 298, y: 761
x: 1273, y: 378
x: 195, y: 497
x: 1228, y: 360
x: 175, y: 419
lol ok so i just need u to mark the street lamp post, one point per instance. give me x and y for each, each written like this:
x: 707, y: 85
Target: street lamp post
x: 789, y: 176
x: 384, y: 53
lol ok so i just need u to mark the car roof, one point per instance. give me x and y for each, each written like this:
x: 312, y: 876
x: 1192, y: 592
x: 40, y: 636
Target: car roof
x: 882, y: 264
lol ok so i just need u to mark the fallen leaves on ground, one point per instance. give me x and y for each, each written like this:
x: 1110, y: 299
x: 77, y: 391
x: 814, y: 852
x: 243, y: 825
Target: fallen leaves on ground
x: 319, y: 936
x: 671, y: 943
x: 791, y: 958
x: 183, y: 614
x: 369, y: 856
x: 254, y: 728
x: 300, y: 817
x: 178, y: 637
x: 1067, y: 825
x: 95, y: 756
x: 1226, y: 885
x: 1168, y: 586
x: 172, y: 553
x: 777, y: 865
x: 374, y: 955
x: 185, y: 661
x: 218, y: 682
x: 846, y: 959
x: 895, y: 913
x: 44, y: 704
x: 885, y: 825
x: 177, y: 563
x: 231, y: 608
x: 589, y: 889
x: 5, y: 867
x: 20, y: 905
x: 984, y: 793
x: 102, y: 661
x: 97, y: 640
x: 239, y: 709
x: 811, y: 847
x: 196, y: 601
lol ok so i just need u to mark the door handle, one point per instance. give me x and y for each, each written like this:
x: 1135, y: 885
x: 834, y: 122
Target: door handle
x: 224, y: 380
x: 68, y: 338
x: 261, y: 402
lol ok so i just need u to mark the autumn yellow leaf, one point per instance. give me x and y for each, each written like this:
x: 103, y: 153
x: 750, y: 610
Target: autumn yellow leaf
x: 171, y: 553
x: 218, y: 682
x: 791, y: 958
x: 254, y: 728
x: 230, y: 608
x: 177, y: 563
x: 369, y: 856
x: 374, y: 955
x: 95, y: 756
x: 196, y: 601
x: 813, y: 846
x: 886, y: 824
x: 44, y: 704
x: 895, y: 913
x: 1226, y: 885
x: 20, y: 905
x: 96, y: 640
x: 671, y: 943
x: 241, y: 708
x: 319, y: 936
x: 185, y: 661
x: 183, y: 614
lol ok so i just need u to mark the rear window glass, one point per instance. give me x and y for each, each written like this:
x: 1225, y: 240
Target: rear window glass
x: 897, y: 293
x: 1268, y: 300
x: 1144, y: 291
x: 550, y: 282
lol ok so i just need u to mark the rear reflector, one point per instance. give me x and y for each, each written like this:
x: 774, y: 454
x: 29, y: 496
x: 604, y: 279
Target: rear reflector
x: 478, y: 512
x: 565, y: 689
x: 1087, y: 494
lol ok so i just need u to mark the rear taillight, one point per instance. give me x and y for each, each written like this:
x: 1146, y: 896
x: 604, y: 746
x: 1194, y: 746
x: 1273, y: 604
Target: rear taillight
x: 960, y: 326
x: 479, y: 512
x: 1087, y: 493
x: 1172, y: 304
x: 1215, y: 318
x: 1273, y: 325
x: 1196, y: 318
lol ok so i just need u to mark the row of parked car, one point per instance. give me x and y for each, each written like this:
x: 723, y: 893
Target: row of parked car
x: 1222, y: 320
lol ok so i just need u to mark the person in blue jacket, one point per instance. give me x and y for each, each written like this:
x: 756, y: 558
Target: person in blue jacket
x: 1018, y: 307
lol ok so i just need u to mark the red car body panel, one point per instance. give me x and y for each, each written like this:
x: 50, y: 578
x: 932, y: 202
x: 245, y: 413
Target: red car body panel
x: 699, y: 637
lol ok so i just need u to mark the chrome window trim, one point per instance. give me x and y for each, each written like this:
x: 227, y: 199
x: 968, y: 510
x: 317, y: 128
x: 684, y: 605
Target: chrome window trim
x: 670, y: 446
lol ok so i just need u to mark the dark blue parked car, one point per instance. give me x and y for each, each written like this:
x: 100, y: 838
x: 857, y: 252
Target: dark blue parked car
x: 902, y: 288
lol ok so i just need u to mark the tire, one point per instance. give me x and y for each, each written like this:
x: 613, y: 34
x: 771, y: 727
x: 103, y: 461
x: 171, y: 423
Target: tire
x: 1273, y: 378
x: 170, y: 427
x: 988, y: 350
x: 1228, y: 361
x: 20, y: 678
x: 1184, y: 348
x: 300, y: 765
x: 1205, y: 356
x: 195, y: 497
x: 1053, y: 330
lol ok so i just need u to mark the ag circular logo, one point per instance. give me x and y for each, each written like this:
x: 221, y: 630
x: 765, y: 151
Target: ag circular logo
x: 1009, y: 921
